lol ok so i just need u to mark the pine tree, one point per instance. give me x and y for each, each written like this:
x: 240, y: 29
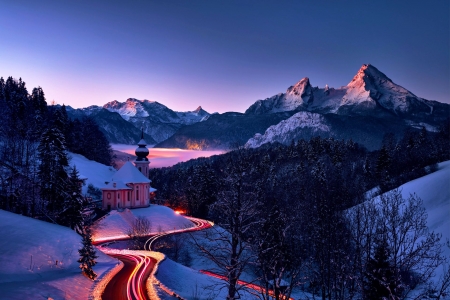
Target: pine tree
x: 71, y: 215
x: 52, y: 170
x: 87, y: 254
x: 380, y: 278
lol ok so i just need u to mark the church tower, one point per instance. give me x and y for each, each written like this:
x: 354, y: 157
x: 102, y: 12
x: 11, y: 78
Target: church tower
x: 142, y: 162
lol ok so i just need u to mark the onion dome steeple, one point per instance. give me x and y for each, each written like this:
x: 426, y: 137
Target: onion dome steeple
x: 142, y: 151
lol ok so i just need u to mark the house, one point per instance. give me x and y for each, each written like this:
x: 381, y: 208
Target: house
x: 130, y: 187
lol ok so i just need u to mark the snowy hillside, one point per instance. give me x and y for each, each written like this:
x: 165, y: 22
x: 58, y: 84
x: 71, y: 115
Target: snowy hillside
x: 116, y: 224
x: 96, y: 173
x: 39, y: 260
x: 434, y: 190
x: 288, y: 130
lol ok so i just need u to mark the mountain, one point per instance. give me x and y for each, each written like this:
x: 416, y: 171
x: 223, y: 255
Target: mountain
x: 122, y: 121
x: 365, y: 130
x: 369, y: 93
x: 364, y: 110
x: 222, y: 131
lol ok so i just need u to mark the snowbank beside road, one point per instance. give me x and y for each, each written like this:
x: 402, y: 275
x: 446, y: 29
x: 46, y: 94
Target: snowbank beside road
x: 39, y: 260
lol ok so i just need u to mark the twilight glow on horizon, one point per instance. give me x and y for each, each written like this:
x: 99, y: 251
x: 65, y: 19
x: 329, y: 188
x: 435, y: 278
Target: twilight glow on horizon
x: 222, y: 55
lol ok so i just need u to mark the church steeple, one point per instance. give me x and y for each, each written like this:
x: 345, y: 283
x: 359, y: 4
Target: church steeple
x: 142, y: 162
x: 142, y: 151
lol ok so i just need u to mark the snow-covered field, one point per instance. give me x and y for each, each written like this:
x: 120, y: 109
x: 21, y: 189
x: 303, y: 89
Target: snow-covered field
x: 39, y: 260
x: 116, y: 224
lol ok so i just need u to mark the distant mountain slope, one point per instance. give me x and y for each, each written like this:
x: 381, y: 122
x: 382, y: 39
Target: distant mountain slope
x: 365, y: 130
x: 122, y: 121
x: 222, y: 131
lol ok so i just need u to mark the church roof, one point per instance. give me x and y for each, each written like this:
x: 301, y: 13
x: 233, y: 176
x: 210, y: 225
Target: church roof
x: 119, y: 186
x: 130, y: 174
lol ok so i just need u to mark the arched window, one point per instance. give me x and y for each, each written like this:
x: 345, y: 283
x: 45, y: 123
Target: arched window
x: 140, y: 169
x: 137, y: 193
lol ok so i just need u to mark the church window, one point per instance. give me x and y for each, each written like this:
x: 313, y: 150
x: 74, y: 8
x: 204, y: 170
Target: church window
x: 109, y: 195
x: 129, y: 195
x: 140, y: 169
x: 118, y: 195
x: 137, y: 193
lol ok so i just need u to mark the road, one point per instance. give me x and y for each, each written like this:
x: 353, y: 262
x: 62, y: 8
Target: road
x: 129, y: 283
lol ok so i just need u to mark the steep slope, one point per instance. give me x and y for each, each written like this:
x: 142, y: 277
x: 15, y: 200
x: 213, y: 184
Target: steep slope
x: 384, y: 106
x: 370, y: 92
x: 222, y: 131
x: 364, y: 130
x: 116, y: 129
x: 298, y: 95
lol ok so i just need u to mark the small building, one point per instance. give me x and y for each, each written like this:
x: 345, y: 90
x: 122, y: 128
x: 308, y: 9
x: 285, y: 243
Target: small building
x: 130, y: 187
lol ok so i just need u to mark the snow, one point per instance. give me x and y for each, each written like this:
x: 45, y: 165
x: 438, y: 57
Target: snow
x: 95, y: 172
x: 128, y: 173
x: 116, y: 224
x: 285, y: 130
x: 28, y: 269
x: 191, y: 284
x: 434, y: 190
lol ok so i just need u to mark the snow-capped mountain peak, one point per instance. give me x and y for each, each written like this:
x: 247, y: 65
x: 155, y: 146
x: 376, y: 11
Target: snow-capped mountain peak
x: 370, y: 87
x: 130, y: 108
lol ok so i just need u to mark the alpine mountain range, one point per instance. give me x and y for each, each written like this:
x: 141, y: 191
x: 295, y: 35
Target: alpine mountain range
x: 364, y: 110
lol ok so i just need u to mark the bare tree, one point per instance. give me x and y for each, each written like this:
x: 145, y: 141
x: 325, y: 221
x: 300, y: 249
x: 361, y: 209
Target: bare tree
x: 140, y: 228
x: 412, y: 252
x: 235, y: 211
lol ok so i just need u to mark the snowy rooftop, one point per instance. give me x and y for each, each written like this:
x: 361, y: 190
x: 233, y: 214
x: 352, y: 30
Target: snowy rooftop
x: 130, y: 174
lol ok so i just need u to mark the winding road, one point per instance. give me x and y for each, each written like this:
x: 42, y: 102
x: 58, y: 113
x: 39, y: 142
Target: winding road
x: 129, y: 283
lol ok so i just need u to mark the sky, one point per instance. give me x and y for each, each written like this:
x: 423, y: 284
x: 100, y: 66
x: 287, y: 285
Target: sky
x: 222, y: 55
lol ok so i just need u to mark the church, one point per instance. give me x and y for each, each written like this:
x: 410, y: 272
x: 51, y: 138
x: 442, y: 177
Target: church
x: 130, y: 187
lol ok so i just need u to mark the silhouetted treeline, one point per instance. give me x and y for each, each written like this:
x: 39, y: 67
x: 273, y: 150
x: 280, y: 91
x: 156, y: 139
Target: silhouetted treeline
x: 347, y: 168
x: 34, y: 166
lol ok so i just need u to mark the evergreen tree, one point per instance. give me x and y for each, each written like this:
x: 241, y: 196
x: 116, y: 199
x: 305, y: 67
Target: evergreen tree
x: 87, y: 254
x: 71, y: 215
x: 379, y: 275
x: 52, y: 170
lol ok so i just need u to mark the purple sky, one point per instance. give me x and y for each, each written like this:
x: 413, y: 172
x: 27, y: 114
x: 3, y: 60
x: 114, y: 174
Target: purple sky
x: 222, y: 55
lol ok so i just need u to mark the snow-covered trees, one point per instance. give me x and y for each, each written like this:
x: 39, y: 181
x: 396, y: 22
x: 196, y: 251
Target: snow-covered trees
x: 87, y: 254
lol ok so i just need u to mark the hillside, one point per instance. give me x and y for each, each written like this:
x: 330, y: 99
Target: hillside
x: 39, y: 260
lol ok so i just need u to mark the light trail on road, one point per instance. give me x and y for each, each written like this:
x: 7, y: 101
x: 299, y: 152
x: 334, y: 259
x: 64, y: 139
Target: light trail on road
x: 139, y: 267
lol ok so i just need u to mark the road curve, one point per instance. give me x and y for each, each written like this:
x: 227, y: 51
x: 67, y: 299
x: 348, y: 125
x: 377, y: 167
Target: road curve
x: 129, y: 283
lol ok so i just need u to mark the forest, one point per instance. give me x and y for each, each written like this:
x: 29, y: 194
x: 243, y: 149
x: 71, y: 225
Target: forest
x: 35, y: 177
x: 298, y: 215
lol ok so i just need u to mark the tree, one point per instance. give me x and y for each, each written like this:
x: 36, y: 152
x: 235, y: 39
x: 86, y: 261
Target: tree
x: 235, y: 211
x: 52, y: 170
x: 390, y: 232
x: 87, y: 254
x: 140, y: 228
x: 71, y: 214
